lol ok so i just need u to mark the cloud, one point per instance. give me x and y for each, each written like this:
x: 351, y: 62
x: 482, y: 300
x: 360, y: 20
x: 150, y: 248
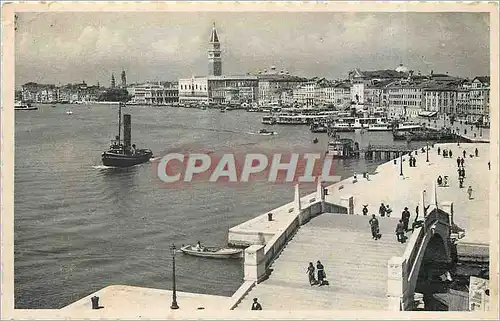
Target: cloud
x: 67, y: 47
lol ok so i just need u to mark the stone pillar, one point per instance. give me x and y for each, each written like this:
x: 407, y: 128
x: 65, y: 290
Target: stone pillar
x: 255, y: 263
x: 347, y: 201
x: 448, y: 208
x: 296, y: 202
x: 319, y: 191
x: 397, y: 284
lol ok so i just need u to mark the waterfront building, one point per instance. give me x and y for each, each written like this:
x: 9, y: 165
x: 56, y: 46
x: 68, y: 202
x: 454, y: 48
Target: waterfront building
x: 342, y: 95
x: 479, y: 107
x: 154, y: 94
x: 369, y: 77
x: 463, y: 101
x: 440, y: 98
x: 404, y: 99
x: 219, y: 89
x: 273, y: 83
x: 39, y: 93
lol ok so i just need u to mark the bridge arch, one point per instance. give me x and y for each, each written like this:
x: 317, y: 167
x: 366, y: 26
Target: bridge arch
x: 428, y: 246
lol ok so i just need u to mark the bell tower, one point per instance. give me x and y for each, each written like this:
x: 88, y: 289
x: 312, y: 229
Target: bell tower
x: 214, y: 55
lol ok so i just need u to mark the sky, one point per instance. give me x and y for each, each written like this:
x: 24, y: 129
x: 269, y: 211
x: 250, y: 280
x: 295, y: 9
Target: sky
x: 70, y: 47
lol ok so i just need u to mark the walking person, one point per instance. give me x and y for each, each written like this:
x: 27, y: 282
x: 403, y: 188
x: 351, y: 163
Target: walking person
x: 465, y: 153
x: 439, y: 150
x: 458, y: 161
x: 451, y: 154
x: 388, y: 211
x: 310, y: 272
x: 405, y: 217
x: 321, y: 273
x: 381, y: 210
x: 400, y: 231
x: 374, y: 227
x: 469, y: 191
x: 256, y: 305
x: 489, y: 166
x: 365, y: 210
x: 476, y: 152
x: 462, y: 161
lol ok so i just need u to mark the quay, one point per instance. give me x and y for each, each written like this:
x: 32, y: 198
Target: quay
x: 328, y: 225
x: 469, y: 133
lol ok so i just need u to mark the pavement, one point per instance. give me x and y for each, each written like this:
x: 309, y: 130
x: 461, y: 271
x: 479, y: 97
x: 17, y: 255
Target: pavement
x: 388, y: 187
x: 467, y: 131
x: 355, y: 265
x: 137, y: 302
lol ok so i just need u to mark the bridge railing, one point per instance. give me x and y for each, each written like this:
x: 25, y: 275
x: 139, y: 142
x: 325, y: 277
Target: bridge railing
x: 404, y: 270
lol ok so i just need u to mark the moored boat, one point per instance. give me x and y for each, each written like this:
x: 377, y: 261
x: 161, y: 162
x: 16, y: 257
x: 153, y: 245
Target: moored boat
x: 343, y: 148
x: 379, y: 128
x: 341, y: 127
x: 212, y: 252
x: 126, y: 154
x: 24, y: 106
x: 268, y: 120
x: 318, y: 128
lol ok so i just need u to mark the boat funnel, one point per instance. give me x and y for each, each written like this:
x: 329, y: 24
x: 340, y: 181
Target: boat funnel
x: 127, y: 131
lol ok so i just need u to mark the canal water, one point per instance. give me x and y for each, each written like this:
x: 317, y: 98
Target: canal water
x: 80, y: 226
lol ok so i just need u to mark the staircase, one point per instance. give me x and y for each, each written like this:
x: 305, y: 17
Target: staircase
x: 355, y: 266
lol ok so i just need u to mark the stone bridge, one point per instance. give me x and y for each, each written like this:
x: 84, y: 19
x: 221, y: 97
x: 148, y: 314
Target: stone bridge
x: 363, y: 273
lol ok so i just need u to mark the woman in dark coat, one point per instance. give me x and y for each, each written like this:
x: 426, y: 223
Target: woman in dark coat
x: 321, y: 273
x: 310, y: 272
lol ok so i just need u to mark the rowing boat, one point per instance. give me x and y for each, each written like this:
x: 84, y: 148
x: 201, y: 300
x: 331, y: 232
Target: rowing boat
x: 212, y: 252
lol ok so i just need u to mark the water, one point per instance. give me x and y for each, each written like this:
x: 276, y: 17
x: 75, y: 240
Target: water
x: 80, y: 227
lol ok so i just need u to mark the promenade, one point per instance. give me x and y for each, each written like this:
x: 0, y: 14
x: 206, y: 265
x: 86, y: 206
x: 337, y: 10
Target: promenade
x: 469, y: 132
x: 387, y: 186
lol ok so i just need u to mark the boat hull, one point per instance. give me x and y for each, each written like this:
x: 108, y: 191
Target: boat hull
x: 25, y: 108
x: 219, y: 254
x: 118, y: 160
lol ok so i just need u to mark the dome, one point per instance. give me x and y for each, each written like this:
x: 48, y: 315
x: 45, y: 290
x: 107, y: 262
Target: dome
x: 401, y: 68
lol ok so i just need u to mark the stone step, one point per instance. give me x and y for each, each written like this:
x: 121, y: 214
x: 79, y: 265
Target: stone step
x: 310, y: 298
x: 376, y: 289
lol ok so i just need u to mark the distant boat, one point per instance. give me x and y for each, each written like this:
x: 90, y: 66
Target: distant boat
x: 18, y: 105
x: 212, y: 252
x: 265, y: 132
x: 124, y: 155
x: 69, y: 112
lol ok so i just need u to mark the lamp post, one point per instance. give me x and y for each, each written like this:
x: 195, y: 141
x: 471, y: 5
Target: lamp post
x: 174, y: 297
x: 427, y: 150
x: 401, y: 165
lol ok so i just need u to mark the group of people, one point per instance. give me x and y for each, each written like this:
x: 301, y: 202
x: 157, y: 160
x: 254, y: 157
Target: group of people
x: 442, y: 182
x: 383, y: 210
x: 321, y: 280
x: 446, y: 153
x: 402, y: 226
x: 413, y: 161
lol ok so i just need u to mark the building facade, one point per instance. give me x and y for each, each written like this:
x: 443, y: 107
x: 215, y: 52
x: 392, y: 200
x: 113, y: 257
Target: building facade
x: 479, y: 108
x: 405, y: 99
